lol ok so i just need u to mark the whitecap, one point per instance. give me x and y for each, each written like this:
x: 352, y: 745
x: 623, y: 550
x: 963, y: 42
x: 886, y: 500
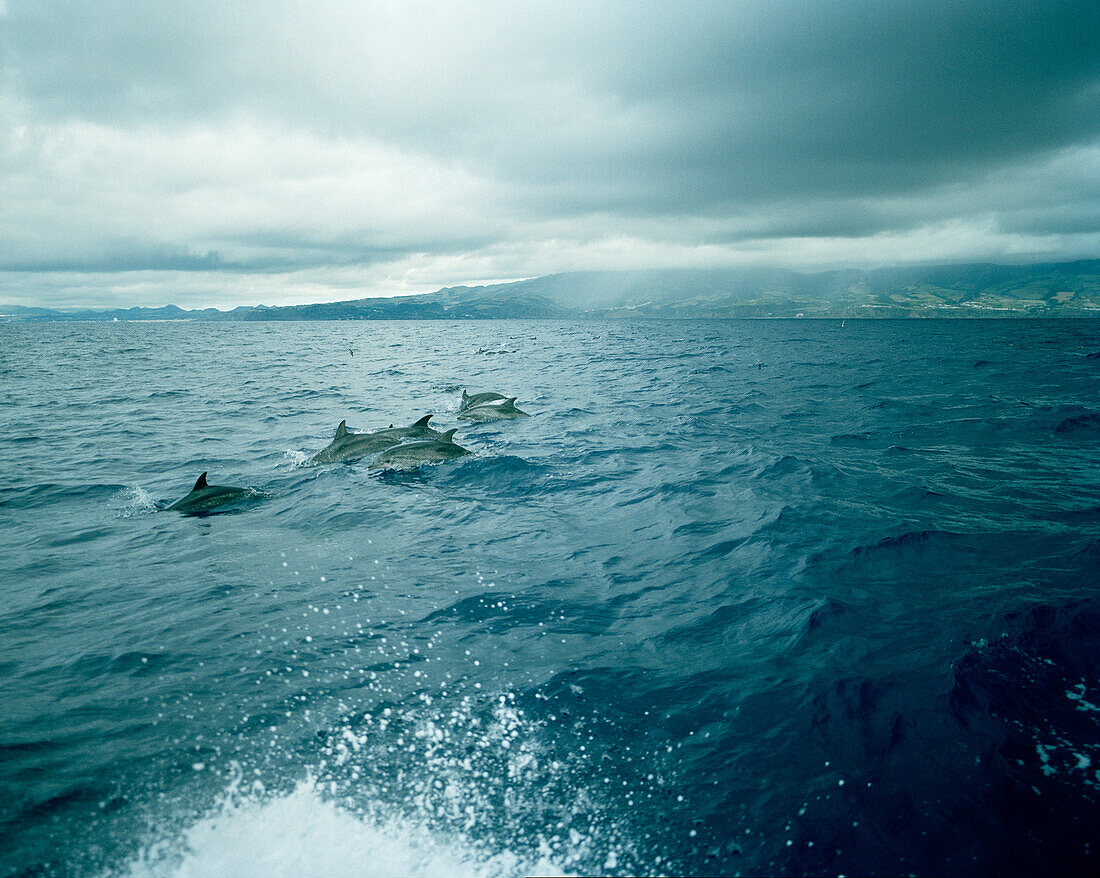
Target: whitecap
x: 302, y: 833
x: 133, y: 500
x: 296, y: 458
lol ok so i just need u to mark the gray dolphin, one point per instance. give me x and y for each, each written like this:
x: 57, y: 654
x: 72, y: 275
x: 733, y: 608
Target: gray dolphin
x: 506, y: 409
x: 205, y: 498
x: 418, y: 430
x: 410, y: 454
x: 468, y: 402
x: 346, y: 445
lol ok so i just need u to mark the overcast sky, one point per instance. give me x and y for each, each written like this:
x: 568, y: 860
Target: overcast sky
x: 237, y: 153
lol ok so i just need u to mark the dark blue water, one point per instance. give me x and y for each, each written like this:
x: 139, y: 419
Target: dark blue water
x: 739, y: 597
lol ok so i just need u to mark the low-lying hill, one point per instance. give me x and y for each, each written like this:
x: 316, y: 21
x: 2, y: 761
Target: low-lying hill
x: 1069, y: 289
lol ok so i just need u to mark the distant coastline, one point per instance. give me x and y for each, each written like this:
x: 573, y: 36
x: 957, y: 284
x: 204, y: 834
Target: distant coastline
x: 1070, y: 289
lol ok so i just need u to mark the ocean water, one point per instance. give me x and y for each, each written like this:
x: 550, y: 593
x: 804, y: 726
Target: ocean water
x: 790, y: 597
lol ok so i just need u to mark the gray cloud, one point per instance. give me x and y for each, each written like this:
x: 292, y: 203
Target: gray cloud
x: 519, y: 138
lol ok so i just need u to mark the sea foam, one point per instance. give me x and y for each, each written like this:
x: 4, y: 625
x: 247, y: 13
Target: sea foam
x: 303, y: 833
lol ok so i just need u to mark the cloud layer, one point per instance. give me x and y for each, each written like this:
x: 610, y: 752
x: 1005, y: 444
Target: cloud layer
x: 209, y: 153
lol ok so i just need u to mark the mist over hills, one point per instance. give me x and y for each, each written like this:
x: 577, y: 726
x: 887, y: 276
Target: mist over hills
x: 1069, y: 289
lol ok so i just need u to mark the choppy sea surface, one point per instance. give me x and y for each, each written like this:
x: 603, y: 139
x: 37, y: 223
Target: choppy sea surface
x: 740, y: 597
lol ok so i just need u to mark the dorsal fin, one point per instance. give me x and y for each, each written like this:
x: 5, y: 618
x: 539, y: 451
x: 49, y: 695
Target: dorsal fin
x: 423, y: 422
x: 201, y: 483
x: 449, y: 436
x: 509, y: 403
x: 342, y: 430
x: 465, y: 396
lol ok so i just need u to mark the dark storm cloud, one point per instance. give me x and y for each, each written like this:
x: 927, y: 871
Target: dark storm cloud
x: 127, y: 257
x: 495, y: 127
x: 842, y: 99
x: 715, y: 101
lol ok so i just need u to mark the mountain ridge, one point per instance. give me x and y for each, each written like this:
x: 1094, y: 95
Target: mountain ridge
x: 1069, y: 289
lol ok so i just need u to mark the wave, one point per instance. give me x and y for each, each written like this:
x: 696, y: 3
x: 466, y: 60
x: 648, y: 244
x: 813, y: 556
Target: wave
x: 134, y: 663
x: 499, y: 613
x: 1032, y: 696
x: 1086, y: 423
x: 133, y: 500
x: 174, y: 393
x: 306, y: 833
x: 296, y: 458
x: 506, y: 473
x: 828, y: 613
x: 850, y: 438
x: 817, y: 473
x: 787, y: 465
x: 905, y: 540
x: 712, y: 370
x: 462, y: 785
x: 915, y: 494
x: 751, y: 621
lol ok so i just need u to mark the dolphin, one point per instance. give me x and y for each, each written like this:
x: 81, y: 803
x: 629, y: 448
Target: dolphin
x: 346, y: 445
x: 206, y: 498
x: 410, y: 454
x: 506, y: 409
x: 418, y: 430
x: 468, y: 402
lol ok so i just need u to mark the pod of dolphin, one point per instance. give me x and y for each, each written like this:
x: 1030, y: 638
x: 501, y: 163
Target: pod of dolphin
x: 393, y: 447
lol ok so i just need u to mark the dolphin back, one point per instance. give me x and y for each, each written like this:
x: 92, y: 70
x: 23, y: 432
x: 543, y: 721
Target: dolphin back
x: 493, y: 411
x: 205, y: 497
x: 472, y: 401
